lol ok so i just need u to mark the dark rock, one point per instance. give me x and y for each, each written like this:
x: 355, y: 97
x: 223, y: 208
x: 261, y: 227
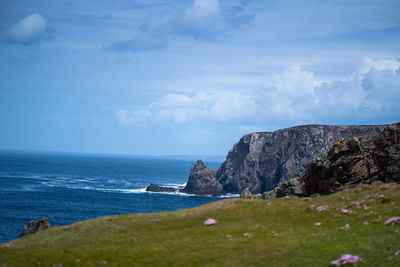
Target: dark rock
x: 202, y: 181
x: 157, y: 188
x: 292, y: 187
x: 35, y: 226
x: 354, y: 162
x: 269, y: 194
x: 262, y: 161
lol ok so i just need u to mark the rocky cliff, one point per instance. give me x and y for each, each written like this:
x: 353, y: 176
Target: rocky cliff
x: 354, y: 162
x: 261, y: 161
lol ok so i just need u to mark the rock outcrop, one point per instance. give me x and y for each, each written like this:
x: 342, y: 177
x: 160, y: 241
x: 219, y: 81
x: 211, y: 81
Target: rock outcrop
x: 262, y: 161
x: 294, y: 186
x: 35, y: 226
x: 247, y: 194
x: 202, y: 181
x: 157, y: 188
x: 355, y: 162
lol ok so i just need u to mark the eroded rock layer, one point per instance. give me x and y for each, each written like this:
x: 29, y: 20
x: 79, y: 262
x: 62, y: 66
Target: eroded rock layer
x: 354, y: 162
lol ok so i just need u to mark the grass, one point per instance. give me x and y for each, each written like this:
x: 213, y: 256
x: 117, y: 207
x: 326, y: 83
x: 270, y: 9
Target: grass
x: 180, y: 239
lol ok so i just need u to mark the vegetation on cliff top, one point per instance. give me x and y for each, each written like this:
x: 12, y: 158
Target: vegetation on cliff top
x: 281, y: 232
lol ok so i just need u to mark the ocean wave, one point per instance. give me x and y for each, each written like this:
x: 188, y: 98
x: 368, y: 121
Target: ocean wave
x: 118, y: 186
x: 174, y: 185
x: 17, y: 175
x: 177, y: 193
x: 136, y: 191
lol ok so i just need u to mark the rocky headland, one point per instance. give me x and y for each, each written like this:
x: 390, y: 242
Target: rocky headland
x: 348, y: 164
x: 261, y: 161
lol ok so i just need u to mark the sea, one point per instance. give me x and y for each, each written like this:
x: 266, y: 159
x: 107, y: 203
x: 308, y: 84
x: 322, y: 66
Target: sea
x: 67, y: 188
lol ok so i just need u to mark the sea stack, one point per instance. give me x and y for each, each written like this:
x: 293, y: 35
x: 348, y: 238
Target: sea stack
x: 202, y: 181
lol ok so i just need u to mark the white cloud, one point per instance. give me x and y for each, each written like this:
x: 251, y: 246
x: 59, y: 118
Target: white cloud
x: 290, y: 97
x: 202, y: 13
x: 231, y: 106
x: 372, y: 91
x: 379, y: 64
x: 31, y: 29
x: 182, y: 109
x: 203, y: 20
x: 140, y: 42
x: 138, y: 117
x: 204, y: 8
x: 173, y: 100
x: 295, y: 82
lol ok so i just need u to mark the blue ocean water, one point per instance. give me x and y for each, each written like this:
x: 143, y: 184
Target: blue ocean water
x: 67, y: 188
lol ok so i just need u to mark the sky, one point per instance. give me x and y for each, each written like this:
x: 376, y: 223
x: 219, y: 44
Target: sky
x: 156, y: 77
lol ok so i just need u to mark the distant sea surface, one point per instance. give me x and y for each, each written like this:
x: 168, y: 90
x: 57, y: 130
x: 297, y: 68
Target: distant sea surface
x: 67, y: 188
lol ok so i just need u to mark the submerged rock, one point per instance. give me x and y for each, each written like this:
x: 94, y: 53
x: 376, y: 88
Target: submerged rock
x: 35, y: 226
x: 354, y: 162
x: 202, y: 181
x: 157, y: 188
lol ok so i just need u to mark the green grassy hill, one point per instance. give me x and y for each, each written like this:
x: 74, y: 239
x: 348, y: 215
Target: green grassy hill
x: 249, y: 232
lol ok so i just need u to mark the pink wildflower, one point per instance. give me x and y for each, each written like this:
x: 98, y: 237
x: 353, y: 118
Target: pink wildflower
x: 345, y: 259
x: 322, y: 208
x: 249, y: 235
x: 392, y: 220
x: 209, y: 222
x: 345, y: 211
x: 317, y: 224
x: 345, y: 228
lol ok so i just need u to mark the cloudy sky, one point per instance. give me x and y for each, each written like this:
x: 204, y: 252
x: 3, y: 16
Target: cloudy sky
x: 158, y: 77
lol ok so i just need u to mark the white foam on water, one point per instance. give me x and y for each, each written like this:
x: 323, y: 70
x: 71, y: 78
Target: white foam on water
x: 128, y: 191
x: 89, y: 184
x: 229, y: 195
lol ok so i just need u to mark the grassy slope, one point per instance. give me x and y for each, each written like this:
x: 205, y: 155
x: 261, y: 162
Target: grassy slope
x: 179, y: 238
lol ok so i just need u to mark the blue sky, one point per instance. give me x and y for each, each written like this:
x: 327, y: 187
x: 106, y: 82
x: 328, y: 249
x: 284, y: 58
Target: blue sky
x: 157, y: 77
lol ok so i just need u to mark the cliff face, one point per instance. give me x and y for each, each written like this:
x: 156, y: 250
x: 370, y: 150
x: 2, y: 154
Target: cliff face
x: 354, y: 162
x: 261, y: 161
